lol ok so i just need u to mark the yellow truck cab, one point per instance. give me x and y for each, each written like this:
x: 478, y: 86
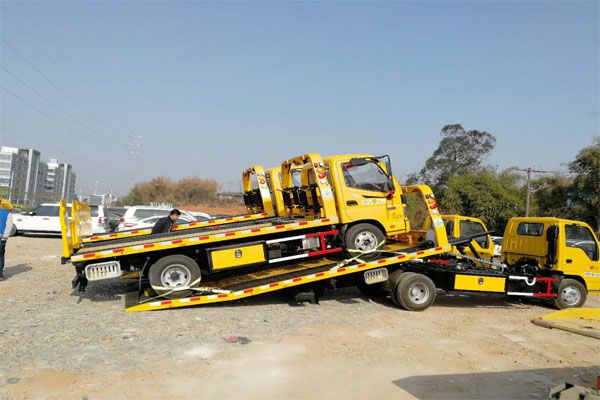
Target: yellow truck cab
x: 458, y: 226
x: 560, y: 245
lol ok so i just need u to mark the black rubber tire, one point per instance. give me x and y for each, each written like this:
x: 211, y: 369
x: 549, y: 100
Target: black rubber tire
x: 13, y: 231
x: 186, y: 264
x: 394, y: 280
x: 570, y: 285
x: 355, y: 232
x: 420, y: 283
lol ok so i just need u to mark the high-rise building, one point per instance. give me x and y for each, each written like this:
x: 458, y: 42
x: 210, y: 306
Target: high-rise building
x: 64, y: 181
x: 28, y: 180
x: 13, y: 174
x: 31, y: 178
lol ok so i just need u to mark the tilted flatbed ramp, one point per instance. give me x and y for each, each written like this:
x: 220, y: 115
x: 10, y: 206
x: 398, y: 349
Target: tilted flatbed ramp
x: 179, y: 227
x: 252, y: 284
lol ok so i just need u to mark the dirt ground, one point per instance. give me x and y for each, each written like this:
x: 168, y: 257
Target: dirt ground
x: 56, y: 344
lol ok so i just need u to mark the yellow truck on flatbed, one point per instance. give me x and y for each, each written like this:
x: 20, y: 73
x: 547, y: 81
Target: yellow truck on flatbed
x: 344, y: 223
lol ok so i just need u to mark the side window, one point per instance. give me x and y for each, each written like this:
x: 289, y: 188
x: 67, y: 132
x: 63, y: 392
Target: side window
x: 449, y: 228
x: 530, y: 229
x: 366, y: 177
x: 581, y: 237
x: 46, y: 211
x: 94, y: 211
x: 161, y: 213
x: 468, y: 228
x: 143, y: 213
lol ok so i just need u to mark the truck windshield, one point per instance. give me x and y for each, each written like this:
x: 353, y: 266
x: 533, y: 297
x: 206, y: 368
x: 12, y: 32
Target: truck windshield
x: 368, y: 176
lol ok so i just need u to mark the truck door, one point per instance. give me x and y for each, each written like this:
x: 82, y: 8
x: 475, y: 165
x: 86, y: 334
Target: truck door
x: 580, y: 255
x: 366, y: 193
x: 483, y: 244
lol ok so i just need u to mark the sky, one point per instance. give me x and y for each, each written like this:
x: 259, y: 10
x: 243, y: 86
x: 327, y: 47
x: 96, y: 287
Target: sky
x: 215, y: 87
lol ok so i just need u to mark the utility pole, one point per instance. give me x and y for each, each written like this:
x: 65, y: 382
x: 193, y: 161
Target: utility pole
x: 529, y: 171
x: 135, y: 140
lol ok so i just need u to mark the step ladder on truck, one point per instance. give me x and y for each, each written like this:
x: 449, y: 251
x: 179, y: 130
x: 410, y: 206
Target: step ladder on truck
x: 349, y: 227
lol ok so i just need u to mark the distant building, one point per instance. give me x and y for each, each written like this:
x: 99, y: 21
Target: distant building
x: 13, y: 174
x: 27, y: 180
x: 31, y: 177
x: 64, y: 182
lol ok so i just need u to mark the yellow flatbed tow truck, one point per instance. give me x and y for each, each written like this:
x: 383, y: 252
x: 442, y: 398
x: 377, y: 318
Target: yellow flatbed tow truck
x: 345, y: 225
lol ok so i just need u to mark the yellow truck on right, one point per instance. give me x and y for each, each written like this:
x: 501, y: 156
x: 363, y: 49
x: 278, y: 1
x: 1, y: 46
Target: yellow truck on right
x: 556, y: 244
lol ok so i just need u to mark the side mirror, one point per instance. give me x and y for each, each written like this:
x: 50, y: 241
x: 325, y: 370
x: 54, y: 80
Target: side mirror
x: 32, y: 213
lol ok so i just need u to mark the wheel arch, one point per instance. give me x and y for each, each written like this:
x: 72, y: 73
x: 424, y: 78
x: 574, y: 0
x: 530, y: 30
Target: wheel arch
x: 373, y: 222
x: 578, y: 279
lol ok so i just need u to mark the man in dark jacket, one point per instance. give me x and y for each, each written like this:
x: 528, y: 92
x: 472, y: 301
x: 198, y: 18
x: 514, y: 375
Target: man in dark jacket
x: 165, y: 224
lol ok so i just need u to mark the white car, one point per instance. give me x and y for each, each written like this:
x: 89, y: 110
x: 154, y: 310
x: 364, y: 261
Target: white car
x: 497, y: 240
x: 149, y: 222
x: 137, y: 213
x: 44, y: 219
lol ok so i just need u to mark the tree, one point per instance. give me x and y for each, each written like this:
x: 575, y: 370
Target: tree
x: 460, y: 152
x: 553, y: 197
x: 494, y: 198
x: 586, y: 184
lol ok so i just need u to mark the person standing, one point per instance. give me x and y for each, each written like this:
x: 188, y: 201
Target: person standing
x: 6, y: 227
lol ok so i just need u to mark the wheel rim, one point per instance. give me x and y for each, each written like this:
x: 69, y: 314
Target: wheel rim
x: 418, y: 293
x: 176, y: 276
x: 570, y: 295
x: 366, y: 241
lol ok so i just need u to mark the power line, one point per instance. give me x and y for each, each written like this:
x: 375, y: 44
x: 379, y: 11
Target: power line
x: 69, y: 64
x: 52, y: 82
x: 55, y: 105
x: 59, y: 150
x: 54, y: 119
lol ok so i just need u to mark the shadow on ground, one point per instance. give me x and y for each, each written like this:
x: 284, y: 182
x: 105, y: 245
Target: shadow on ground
x: 9, y: 272
x: 519, y: 384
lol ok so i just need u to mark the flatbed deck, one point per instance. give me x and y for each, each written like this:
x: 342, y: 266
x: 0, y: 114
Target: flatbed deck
x: 171, y: 240
x: 269, y: 280
x: 113, y: 236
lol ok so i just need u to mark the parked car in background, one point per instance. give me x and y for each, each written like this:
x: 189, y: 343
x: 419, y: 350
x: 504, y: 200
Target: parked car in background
x: 136, y: 213
x: 200, y: 216
x: 497, y: 240
x: 149, y: 222
x: 44, y: 219
x: 113, y: 221
x: 100, y: 222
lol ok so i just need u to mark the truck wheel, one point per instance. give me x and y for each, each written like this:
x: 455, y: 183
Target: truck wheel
x: 174, y: 275
x: 415, y: 292
x: 394, y: 280
x: 364, y: 237
x: 571, y: 294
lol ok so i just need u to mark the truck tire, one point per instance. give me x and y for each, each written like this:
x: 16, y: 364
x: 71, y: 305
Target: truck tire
x: 364, y: 237
x: 415, y: 292
x: 394, y: 280
x: 571, y: 294
x: 174, y: 276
